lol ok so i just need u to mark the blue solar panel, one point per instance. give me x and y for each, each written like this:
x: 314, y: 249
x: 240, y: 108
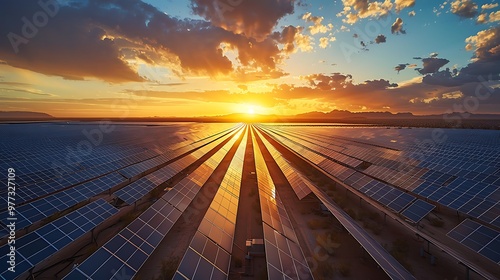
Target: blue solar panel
x: 390, y: 196
x: 418, y: 210
x: 478, y: 238
x: 401, y: 202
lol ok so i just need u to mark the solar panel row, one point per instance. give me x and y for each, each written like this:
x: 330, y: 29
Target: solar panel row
x: 209, y: 252
x: 285, y: 259
x: 295, y: 179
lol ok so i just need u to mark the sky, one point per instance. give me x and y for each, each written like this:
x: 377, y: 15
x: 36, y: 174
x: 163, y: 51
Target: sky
x: 131, y: 58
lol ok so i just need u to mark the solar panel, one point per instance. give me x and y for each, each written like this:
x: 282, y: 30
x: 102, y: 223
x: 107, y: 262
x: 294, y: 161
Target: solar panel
x: 479, y: 238
x: 401, y: 202
x: 417, y: 210
x: 38, y: 245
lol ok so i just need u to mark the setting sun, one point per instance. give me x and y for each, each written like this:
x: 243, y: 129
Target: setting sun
x: 251, y: 110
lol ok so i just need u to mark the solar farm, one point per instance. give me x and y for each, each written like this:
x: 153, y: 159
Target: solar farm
x: 248, y: 201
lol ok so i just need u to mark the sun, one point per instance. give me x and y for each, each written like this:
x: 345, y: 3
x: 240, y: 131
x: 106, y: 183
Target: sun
x: 251, y: 110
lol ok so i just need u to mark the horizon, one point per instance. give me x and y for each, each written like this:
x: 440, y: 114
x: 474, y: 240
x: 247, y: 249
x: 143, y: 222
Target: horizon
x: 91, y: 59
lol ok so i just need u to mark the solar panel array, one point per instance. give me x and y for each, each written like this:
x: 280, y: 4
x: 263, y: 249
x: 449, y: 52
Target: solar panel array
x: 78, y: 192
x: 296, y: 180
x: 209, y: 252
x: 136, y: 190
x: 56, y: 140
x: 461, y: 173
x: 479, y: 238
x: 42, y: 243
x: 387, y: 195
x: 284, y: 256
x: 61, y: 160
x: 125, y: 253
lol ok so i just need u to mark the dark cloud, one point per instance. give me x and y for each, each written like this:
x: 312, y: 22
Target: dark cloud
x: 287, y: 38
x: 340, y: 82
x: 400, y: 67
x: 103, y: 38
x: 432, y: 65
x: 255, y: 19
x: 464, y: 8
x: 397, y: 27
x: 485, y: 65
x: 324, y: 82
x: 380, y: 39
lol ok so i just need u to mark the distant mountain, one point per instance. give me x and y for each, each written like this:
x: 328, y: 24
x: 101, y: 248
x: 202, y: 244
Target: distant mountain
x: 344, y: 114
x: 23, y: 115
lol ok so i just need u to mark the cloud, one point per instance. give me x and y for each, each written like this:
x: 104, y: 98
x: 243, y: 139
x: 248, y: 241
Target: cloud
x: 400, y: 67
x: 108, y: 40
x: 359, y: 9
x: 434, y: 54
x: 489, y: 6
x: 402, y: 4
x: 293, y: 40
x: 254, y: 19
x: 243, y: 87
x: 25, y: 90
x: 318, y: 27
x: 411, y: 13
x: 494, y: 16
x: 482, y: 18
x: 397, y: 27
x: 323, y: 42
x: 432, y: 65
x: 380, y: 39
x: 485, y: 63
x: 217, y: 96
x: 491, y: 17
x: 486, y: 58
x: 464, y: 8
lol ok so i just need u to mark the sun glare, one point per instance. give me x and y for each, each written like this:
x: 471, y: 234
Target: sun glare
x: 251, y: 110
